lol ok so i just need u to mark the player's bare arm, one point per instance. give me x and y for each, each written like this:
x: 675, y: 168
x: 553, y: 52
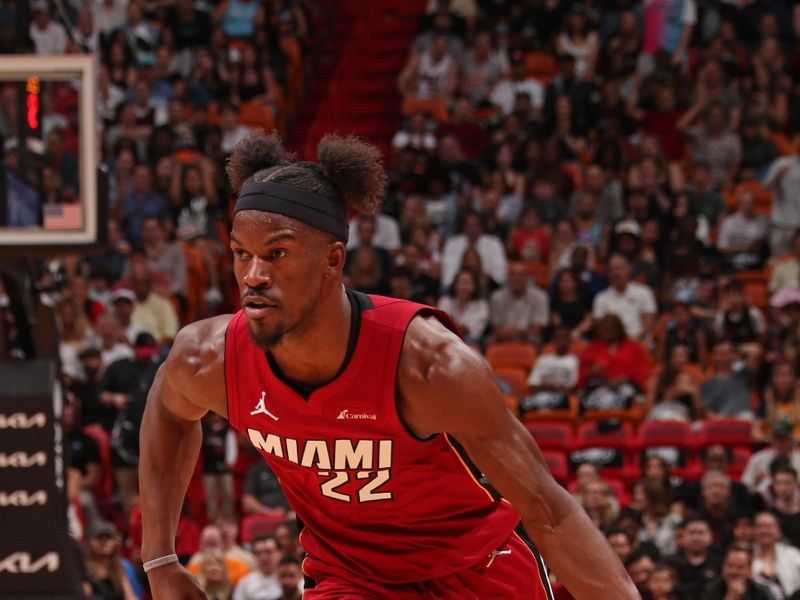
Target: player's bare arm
x: 189, y: 384
x: 444, y: 387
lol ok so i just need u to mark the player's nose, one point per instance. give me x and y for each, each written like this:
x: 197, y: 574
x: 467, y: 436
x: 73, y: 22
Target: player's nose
x: 258, y: 274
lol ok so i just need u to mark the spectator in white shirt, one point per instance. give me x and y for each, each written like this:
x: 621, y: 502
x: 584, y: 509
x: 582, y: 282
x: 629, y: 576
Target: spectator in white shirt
x: 557, y: 370
x: 505, y: 92
x: 261, y: 584
x: 489, y: 247
x: 112, y: 348
x: 742, y: 235
x: 386, y: 236
x: 518, y: 311
x: 633, y: 302
x: 48, y: 36
x: 783, y: 177
x: 466, y: 306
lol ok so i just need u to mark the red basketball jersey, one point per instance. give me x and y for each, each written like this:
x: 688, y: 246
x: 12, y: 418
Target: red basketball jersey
x: 376, y: 501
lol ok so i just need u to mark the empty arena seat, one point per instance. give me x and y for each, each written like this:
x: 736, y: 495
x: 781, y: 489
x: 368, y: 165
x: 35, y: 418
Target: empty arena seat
x: 260, y: 524
x: 607, y: 445
x: 550, y: 435
x: 517, y: 379
x: 739, y: 459
x: 511, y: 354
x: 728, y: 432
x: 664, y: 433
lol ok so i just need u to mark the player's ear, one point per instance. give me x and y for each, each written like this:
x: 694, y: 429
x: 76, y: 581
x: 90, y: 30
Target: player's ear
x: 336, y: 255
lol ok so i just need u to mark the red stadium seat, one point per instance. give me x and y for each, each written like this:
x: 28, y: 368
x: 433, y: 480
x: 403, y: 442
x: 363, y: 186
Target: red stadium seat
x: 740, y: 457
x: 518, y: 355
x: 558, y: 463
x: 664, y: 433
x: 551, y: 436
x: 672, y: 440
x: 517, y: 379
x: 728, y: 432
x: 255, y: 525
x: 607, y: 447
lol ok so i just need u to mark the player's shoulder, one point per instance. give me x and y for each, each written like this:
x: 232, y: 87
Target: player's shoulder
x: 433, y: 352
x: 198, y: 350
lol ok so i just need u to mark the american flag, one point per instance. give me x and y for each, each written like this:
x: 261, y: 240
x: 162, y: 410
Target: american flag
x: 62, y: 216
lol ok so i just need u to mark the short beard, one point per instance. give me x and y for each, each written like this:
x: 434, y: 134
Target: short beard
x: 266, y: 341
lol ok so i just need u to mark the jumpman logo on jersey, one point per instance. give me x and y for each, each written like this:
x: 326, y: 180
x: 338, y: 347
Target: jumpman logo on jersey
x: 261, y: 408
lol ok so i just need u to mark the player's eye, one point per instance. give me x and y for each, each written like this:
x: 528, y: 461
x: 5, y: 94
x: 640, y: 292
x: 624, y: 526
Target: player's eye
x: 278, y: 253
x: 239, y: 254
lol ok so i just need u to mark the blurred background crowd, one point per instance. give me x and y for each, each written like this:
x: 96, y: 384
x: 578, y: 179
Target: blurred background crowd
x: 605, y: 196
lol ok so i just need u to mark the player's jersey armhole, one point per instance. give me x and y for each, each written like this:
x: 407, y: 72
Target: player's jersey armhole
x: 229, y: 362
x: 424, y: 312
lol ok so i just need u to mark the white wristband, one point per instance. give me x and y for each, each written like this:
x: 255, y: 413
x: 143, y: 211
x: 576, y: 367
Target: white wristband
x: 159, y: 562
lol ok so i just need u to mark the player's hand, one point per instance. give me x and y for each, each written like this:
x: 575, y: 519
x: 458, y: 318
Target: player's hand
x: 174, y: 582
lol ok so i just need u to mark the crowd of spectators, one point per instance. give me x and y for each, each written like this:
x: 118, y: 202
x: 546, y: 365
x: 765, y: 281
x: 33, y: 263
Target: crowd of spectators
x: 611, y: 183
x: 614, y: 185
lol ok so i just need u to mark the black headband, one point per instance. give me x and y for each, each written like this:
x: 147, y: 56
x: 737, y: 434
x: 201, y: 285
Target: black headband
x: 316, y: 210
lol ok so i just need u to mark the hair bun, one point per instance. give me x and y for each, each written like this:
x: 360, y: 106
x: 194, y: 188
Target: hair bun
x: 355, y: 168
x: 256, y: 152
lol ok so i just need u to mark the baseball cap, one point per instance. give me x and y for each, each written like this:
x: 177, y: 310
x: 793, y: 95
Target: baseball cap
x: 782, y: 428
x: 123, y: 294
x: 628, y: 226
x: 100, y: 527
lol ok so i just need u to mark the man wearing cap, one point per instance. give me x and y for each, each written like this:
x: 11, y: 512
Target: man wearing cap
x: 633, y: 302
x: 782, y: 444
x: 48, y: 36
x: 123, y: 301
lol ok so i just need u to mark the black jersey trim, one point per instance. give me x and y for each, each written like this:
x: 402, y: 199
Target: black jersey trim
x: 358, y: 303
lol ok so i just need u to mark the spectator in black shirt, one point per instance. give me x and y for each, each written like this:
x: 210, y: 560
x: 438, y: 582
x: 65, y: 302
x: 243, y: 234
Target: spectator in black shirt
x: 125, y: 385
x: 82, y: 453
x: 736, y: 582
x: 262, y: 491
x: 217, y: 477
x: 699, y: 562
x: 87, y: 391
x: 786, y: 501
x: 190, y: 27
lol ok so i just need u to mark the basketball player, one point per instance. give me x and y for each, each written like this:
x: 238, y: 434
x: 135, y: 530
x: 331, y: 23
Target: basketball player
x: 364, y: 407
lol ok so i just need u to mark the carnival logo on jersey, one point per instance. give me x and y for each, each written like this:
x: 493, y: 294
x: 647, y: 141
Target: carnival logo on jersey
x: 261, y: 407
x: 346, y: 414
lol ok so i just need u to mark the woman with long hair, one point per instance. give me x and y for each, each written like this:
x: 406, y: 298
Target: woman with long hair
x: 775, y: 563
x: 674, y: 393
x: 104, y: 565
x: 570, y: 305
x: 252, y: 81
x: 597, y: 501
x: 213, y: 577
x: 467, y: 306
x: 781, y: 401
x: 579, y: 41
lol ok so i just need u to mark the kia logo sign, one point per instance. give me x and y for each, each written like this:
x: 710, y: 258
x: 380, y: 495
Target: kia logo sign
x: 22, y: 460
x: 21, y: 420
x: 21, y: 562
x: 22, y: 498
